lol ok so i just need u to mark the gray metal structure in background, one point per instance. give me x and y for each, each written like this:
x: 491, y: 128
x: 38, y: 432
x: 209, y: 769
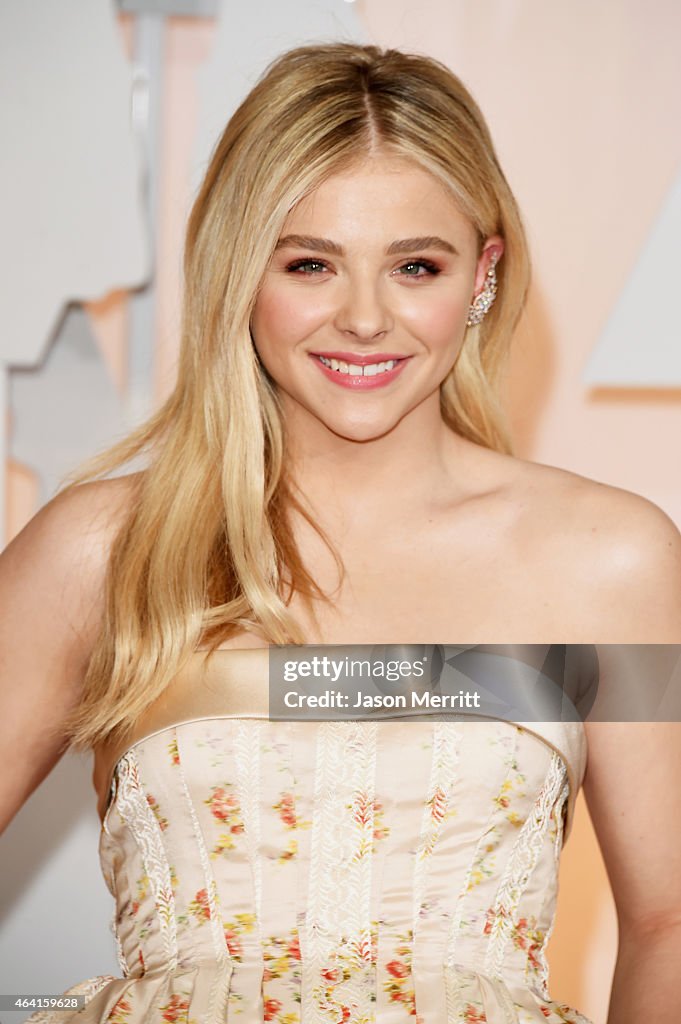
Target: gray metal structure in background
x: 147, y: 113
x: 39, y: 397
x: 73, y: 227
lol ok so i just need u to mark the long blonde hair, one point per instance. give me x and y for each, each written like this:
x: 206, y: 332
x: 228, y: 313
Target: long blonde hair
x: 207, y: 549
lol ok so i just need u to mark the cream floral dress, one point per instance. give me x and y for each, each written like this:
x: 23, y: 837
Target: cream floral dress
x: 340, y: 872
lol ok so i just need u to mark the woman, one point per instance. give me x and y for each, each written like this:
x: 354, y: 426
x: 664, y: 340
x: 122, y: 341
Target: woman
x: 333, y: 468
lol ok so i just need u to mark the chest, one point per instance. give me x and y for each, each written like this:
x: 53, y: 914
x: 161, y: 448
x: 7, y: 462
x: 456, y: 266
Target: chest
x: 431, y: 585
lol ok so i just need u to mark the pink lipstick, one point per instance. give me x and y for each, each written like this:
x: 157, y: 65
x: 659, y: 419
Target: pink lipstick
x: 360, y: 372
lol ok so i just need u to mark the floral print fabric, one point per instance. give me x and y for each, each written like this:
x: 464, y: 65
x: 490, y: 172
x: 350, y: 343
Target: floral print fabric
x: 332, y: 873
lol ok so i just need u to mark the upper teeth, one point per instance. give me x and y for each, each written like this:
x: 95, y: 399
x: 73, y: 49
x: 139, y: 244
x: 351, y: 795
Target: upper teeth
x: 370, y: 370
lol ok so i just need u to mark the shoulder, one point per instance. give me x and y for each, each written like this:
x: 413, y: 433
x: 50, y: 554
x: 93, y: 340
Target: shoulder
x: 59, y: 558
x: 579, y: 504
x: 83, y: 518
x: 618, y: 554
x: 51, y: 608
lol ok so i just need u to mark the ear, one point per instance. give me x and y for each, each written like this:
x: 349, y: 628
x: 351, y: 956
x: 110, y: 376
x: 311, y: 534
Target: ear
x: 492, y: 251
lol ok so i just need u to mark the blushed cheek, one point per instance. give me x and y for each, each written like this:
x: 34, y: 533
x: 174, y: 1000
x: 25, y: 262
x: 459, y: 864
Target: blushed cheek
x: 439, y: 325
x: 281, y: 320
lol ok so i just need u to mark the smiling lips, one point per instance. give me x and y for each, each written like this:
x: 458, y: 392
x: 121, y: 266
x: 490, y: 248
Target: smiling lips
x: 359, y: 372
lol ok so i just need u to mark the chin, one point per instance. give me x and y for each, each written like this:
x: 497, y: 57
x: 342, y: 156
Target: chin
x: 360, y: 431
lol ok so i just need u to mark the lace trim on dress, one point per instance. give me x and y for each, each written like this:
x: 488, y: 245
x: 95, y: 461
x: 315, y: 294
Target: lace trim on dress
x: 338, y: 962
x: 521, y: 863
x: 558, y: 837
x: 446, y: 739
x: 105, y: 859
x: 134, y: 810
x: 247, y: 758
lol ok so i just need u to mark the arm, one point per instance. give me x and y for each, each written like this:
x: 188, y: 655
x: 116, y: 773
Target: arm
x: 632, y: 783
x: 51, y: 602
x: 633, y: 792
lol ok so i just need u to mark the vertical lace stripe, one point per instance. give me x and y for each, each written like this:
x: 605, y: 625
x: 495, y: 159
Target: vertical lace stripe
x: 521, y: 863
x: 134, y: 810
x: 338, y: 973
x: 446, y: 739
x: 558, y: 839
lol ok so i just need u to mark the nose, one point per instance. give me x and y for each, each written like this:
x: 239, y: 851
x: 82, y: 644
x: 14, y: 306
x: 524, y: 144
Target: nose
x: 363, y: 311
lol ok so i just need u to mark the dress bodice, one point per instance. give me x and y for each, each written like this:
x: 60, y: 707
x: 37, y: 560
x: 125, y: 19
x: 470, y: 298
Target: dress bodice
x: 335, y: 871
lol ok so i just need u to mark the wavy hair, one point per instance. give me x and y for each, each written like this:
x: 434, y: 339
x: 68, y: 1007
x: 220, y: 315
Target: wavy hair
x: 206, y: 548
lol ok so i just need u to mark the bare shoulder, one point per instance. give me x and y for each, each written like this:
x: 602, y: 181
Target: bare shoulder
x: 63, y: 550
x: 52, y: 577
x: 99, y: 504
x: 83, y: 518
x: 617, y: 553
x: 579, y: 503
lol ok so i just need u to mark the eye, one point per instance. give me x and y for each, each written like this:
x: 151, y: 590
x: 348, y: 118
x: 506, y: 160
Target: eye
x: 306, y: 267
x: 412, y: 268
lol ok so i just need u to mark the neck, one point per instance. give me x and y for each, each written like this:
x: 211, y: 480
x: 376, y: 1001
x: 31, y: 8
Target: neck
x: 412, y: 464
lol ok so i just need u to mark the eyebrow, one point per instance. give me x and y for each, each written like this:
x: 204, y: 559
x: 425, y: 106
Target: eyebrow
x: 401, y: 245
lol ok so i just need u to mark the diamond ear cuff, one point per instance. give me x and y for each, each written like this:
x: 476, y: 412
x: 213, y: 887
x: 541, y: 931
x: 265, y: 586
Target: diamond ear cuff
x: 484, y: 299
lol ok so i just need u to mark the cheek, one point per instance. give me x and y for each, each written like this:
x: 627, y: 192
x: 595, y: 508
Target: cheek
x: 284, y: 316
x: 436, y: 320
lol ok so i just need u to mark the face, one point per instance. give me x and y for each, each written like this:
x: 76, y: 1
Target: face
x: 362, y: 311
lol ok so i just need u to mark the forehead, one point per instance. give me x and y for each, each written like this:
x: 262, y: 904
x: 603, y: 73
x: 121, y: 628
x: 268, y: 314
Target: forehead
x: 382, y: 197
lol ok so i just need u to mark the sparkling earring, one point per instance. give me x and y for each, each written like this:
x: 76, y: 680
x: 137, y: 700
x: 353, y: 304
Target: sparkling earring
x: 483, y: 301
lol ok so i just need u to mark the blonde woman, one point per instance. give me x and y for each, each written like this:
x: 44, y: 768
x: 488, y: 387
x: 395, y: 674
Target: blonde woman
x: 332, y: 467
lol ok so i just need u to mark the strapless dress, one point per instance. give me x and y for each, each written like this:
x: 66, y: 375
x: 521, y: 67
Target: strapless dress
x: 342, y: 872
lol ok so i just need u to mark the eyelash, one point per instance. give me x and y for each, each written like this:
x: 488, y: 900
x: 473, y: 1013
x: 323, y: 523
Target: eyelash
x: 432, y: 268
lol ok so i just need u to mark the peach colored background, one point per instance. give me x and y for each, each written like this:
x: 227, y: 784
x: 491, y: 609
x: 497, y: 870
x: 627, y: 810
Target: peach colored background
x: 582, y: 122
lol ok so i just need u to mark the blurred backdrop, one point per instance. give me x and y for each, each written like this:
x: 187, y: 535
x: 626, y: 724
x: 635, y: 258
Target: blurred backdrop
x: 108, y: 114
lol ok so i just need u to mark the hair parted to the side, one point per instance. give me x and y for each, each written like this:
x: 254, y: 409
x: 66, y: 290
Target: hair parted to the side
x: 206, y: 548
